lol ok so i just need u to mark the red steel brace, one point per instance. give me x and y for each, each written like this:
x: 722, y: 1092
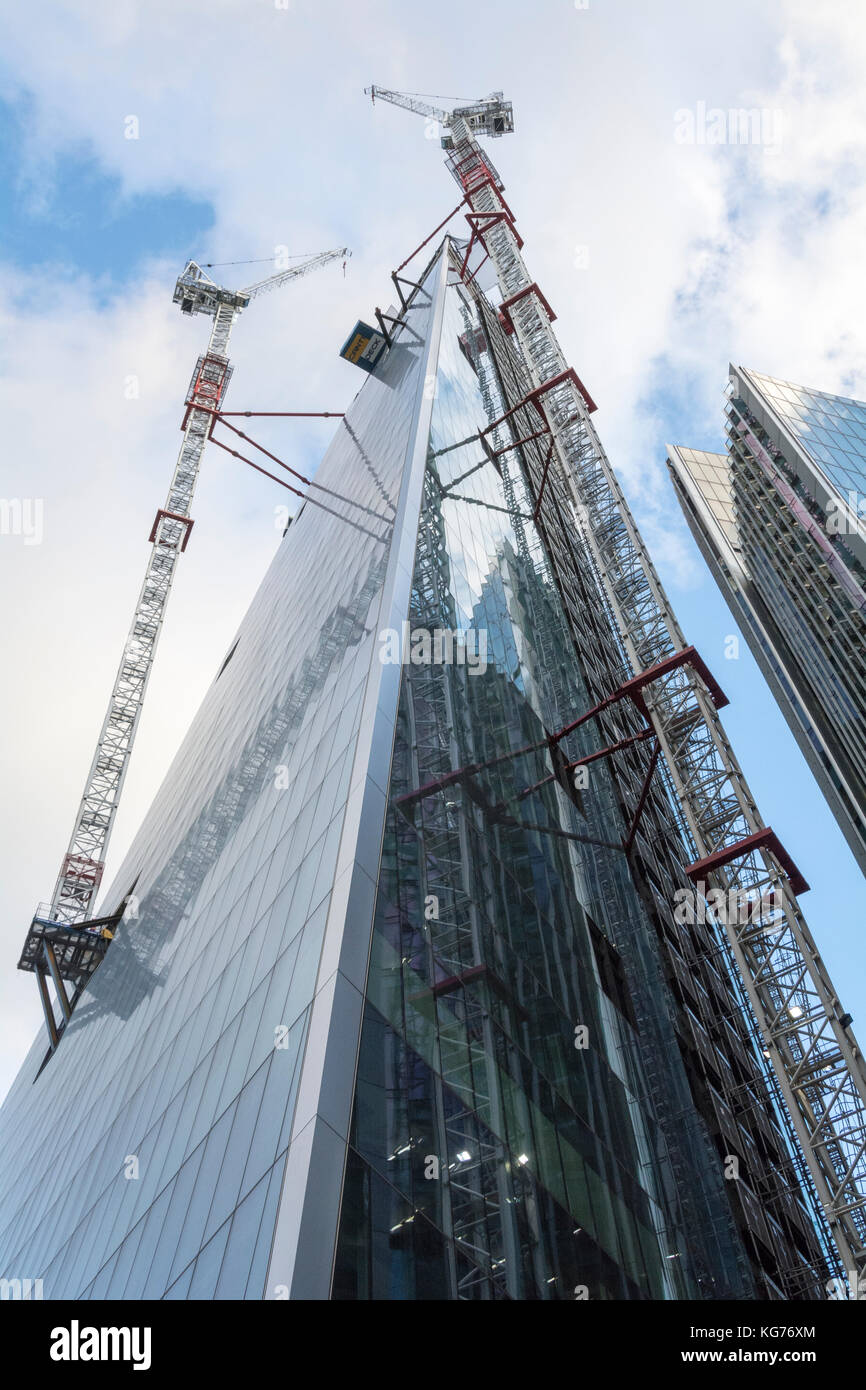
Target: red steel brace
x: 469, y: 976
x: 172, y: 516
x: 642, y: 799
x: 211, y: 390
x: 478, y: 172
x: 687, y: 657
x: 497, y: 189
x: 505, y: 317
x: 534, y: 397
x: 761, y: 839
x: 630, y: 690
x: 479, y: 224
x: 202, y: 388
x: 411, y: 257
x: 607, y: 752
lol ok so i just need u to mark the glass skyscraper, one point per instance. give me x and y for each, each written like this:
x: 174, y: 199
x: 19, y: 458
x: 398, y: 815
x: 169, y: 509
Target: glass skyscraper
x: 781, y: 521
x: 393, y: 1014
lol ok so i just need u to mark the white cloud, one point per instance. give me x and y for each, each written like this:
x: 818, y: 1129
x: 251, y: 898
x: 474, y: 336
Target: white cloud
x: 696, y: 255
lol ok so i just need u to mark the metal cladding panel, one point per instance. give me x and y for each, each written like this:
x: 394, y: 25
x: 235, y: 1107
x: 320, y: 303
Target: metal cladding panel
x: 146, y: 1159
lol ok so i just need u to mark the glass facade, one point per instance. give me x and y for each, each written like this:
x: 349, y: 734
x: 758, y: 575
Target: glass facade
x: 831, y: 429
x: 391, y: 1015
x: 780, y: 520
x: 490, y: 1156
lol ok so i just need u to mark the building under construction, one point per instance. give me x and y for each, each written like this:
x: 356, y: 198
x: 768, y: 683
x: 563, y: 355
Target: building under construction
x: 453, y: 959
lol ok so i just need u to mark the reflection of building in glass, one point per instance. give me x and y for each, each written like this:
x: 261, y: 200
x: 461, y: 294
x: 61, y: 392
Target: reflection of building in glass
x: 781, y: 521
x: 399, y: 1017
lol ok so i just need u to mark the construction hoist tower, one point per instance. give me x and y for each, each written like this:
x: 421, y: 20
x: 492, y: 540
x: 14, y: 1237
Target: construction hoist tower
x: 806, y: 1034
x: 64, y: 940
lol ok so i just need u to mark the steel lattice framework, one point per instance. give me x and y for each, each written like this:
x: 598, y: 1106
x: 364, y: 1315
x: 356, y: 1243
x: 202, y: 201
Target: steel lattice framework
x: 83, y: 864
x: 807, y: 1036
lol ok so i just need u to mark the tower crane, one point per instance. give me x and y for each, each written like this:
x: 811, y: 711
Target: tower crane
x: 63, y: 940
x: 806, y: 1033
x: 491, y: 115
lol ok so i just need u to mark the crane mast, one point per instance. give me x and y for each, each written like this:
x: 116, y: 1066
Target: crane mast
x: 807, y: 1038
x: 63, y: 939
x: 82, y: 867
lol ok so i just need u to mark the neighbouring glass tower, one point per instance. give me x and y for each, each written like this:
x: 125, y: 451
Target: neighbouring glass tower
x: 394, y: 1013
x: 781, y: 521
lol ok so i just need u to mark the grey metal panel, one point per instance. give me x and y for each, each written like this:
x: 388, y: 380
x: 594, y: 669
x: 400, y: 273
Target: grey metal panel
x: 329, y: 1066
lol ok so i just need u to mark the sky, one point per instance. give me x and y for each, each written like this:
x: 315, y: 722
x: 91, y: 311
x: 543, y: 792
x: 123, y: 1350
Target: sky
x: 134, y: 136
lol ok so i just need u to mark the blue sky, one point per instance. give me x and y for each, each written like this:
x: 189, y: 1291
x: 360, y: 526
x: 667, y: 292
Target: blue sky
x: 254, y: 133
x: 75, y: 217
